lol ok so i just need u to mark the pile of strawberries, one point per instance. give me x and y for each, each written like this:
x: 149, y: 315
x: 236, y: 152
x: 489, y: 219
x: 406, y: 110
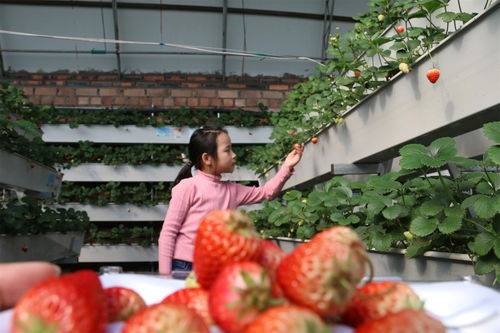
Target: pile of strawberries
x: 245, y: 285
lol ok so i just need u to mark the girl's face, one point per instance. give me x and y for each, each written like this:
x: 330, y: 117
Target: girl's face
x: 226, y: 158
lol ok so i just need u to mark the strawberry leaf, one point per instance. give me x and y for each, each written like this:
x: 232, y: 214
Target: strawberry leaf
x: 392, y: 212
x: 496, y: 247
x: 493, y: 154
x: 443, y: 149
x: 483, y: 243
x: 485, y: 207
x: 486, y: 264
x: 450, y: 224
x: 492, y: 131
x: 411, y: 156
x: 431, y: 208
x: 416, y: 249
x: 422, y: 226
x: 381, y: 242
x: 448, y: 16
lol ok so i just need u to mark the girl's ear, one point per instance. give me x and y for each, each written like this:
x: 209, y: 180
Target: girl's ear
x: 206, y: 160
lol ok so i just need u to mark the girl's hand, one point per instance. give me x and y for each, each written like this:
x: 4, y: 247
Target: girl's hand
x: 294, y: 157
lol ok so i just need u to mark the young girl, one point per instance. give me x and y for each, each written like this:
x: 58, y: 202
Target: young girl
x: 193, y: 197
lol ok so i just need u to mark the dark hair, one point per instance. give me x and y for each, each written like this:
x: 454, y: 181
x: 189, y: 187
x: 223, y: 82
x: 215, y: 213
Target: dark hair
x: 203, y: 140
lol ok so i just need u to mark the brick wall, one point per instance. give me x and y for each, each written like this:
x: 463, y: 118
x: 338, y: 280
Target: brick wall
x: 161, y: 91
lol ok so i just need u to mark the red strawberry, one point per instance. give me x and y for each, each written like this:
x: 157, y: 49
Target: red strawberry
x: 433, y: 75
x: 9, y: 117
x: 292, y: 132
x: 270, y: 259
x: 167, y: 318
x: 357, y: 73
x: 195, y: 299
x: 287, y: 319
x: 406, y: 321
x: 73, y: 303
x: 224, y: 237
x: 314, y: 140
x: 240, y: 292
x: 24, y: 249
x: 123, y: 303
x: 322, y: 275
x: 376, y: 299
x: 400, y: 29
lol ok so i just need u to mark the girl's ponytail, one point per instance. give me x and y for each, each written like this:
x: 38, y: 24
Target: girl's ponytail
x: 185, y: 172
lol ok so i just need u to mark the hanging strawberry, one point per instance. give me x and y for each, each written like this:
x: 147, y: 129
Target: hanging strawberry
x: 433, y: 75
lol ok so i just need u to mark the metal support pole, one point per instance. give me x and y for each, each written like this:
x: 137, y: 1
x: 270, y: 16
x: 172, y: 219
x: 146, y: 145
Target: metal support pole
x: 117, y: 36
x: 327, y: 25
x: 224, y: 38
x: 2, y: 69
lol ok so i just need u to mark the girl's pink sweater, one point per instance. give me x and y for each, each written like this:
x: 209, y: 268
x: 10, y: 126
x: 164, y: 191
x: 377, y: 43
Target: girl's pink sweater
x: 195, y: 197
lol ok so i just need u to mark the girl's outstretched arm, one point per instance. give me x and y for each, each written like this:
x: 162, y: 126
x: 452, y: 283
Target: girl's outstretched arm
x: 251, y: 194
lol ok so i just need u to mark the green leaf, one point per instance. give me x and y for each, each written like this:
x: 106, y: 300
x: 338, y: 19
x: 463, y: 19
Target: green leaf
x: 292, y: 195
x: 468, y: 202
x: 454, y: 211
x: 483, y: 243
x: 450, y: 224
x: 448, y: 16
x: 492, y: 131
x: 431, y: 208
x: 484, y: 188
x: 465, y: 17
x: 486, y: 264
x: 398, y: 46
x: 381, y: 242
x: 417, y: 14
x: 493, y: 154
x: 392, y: 212
x: 422, y: 226
x: 443, y: 148
x: 431, y: 5
x: 496, y: 247
x: 411, y: 156
x: 485, y: 207
x: 413, y: 44
x: 416, y: 249
x: 415, y: 32
x: 463, y: 162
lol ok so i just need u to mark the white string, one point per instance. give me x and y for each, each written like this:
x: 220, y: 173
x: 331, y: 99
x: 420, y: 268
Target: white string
x: 180, y: 46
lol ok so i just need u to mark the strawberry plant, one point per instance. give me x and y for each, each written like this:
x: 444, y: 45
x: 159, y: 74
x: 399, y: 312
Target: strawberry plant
x: 120, y: 234
x: 361, y: 61
x: 115, y: 192
x: 419, y: 208
x: 133, y: 154
x: 17, y: 134
x: 28, y: 216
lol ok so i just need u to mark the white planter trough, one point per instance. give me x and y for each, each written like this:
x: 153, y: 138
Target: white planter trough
x: 431, y: 266
x: 129, y: 213
x: 53, y: 246
x: 19, y: 172
x: 146, y: 134
x: 118, y: 253
x: 96, y: 172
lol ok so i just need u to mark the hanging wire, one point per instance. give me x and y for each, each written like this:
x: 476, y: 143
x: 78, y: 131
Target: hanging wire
x: 181, y: 46
x: 103, y: 27
x: 161, y: 20
x: 244, y: 36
